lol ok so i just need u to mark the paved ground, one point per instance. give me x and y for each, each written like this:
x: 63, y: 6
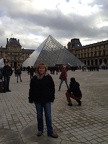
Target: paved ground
x: 87, y: 124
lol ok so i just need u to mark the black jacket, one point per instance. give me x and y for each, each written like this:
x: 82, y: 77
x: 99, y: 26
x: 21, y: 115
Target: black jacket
x: 7, y: 71
x: 18, y: 71
x: 74, y: 87
x: 42, y: 90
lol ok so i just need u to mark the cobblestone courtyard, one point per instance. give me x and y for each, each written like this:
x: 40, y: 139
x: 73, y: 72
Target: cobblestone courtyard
x: 87, y: 124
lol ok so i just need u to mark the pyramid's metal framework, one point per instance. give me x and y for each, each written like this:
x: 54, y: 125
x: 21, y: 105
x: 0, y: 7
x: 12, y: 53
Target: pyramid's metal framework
x: 52, y: 53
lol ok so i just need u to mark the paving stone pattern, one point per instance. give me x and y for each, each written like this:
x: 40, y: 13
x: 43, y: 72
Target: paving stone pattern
x: 86, y: 124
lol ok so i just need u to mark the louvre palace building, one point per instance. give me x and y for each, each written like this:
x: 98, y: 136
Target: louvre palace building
x: 14, y: 52
x: 95, y: 54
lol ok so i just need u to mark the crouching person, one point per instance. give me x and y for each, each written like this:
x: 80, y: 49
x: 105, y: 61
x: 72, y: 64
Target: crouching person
x: 74, y: 92
x: 42, y: 93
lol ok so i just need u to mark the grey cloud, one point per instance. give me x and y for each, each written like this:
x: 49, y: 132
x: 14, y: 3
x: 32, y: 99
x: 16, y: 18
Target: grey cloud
x: 1, y: 31
x: 55, y: 23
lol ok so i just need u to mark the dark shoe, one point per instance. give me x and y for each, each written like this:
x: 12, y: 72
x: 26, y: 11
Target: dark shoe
x: 69, y: 104
x: 21, y: 81
x: 79, y: 103
x: 8, y: 90
x: 39, y: 133
x: 17, y: 81
x: 4, y: 91
x: 54, y: 135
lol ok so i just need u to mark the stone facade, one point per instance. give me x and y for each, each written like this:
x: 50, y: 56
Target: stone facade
x: 94, y: 54
x: 14, y: 52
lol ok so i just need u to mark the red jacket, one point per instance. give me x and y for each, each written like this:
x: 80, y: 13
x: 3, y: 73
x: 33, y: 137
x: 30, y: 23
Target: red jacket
x: 63, y: 74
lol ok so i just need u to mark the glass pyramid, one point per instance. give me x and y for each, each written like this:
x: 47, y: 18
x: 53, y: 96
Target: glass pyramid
x: 51, y: 52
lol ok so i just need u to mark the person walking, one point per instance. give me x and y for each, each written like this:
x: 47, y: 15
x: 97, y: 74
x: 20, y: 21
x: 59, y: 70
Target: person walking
x: 42, y: 94
x: 6, y: 73
x: 63, y: 76
x: 18, y: 73
x: 74, y: 92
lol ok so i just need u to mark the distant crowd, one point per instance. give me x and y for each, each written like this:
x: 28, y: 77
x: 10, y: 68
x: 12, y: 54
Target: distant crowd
x: 6, y: 71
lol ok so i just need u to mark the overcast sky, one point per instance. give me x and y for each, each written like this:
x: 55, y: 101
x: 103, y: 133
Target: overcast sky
x: 32, y: 21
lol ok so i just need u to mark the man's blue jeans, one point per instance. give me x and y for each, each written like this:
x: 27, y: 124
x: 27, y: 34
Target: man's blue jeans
x: 6, y: 83
x: 18, y: 76
x: 47, y: 110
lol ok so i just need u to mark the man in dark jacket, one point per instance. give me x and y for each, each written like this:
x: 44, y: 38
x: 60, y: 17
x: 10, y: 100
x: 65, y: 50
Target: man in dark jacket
x: 6, y: 73
x: 74, y: 92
